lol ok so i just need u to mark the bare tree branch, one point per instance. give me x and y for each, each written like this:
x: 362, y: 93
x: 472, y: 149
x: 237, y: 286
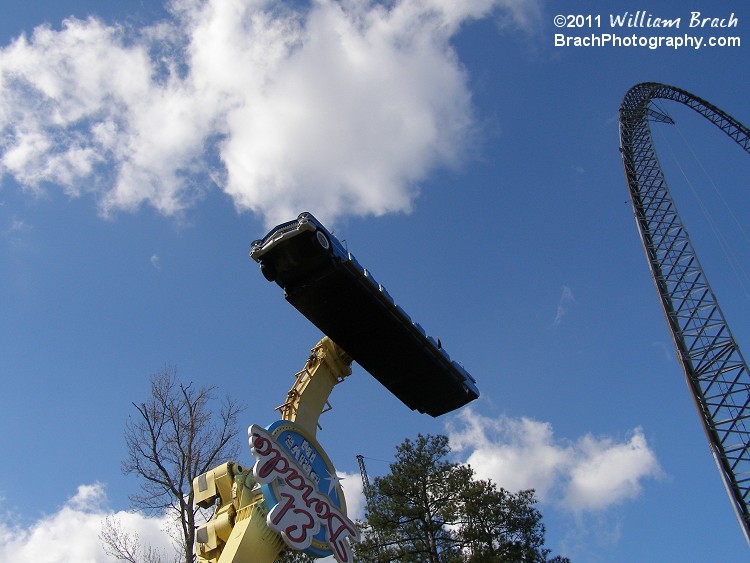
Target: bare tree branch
x: 173, y: 437
x: 126, y: 546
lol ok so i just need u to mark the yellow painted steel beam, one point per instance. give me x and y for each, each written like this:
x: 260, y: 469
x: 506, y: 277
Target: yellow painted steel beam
x: 327, y: 366
x: 237, y: 532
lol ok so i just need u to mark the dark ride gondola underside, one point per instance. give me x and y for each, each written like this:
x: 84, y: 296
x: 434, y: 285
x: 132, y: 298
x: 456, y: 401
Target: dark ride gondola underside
x: 325, y: 283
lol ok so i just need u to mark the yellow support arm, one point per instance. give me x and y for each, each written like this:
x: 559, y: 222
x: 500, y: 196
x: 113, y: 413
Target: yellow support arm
x: 327, y: 366
x: 237, y: 532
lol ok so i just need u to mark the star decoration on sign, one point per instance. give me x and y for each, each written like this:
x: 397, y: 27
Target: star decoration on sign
x: 334, y: 481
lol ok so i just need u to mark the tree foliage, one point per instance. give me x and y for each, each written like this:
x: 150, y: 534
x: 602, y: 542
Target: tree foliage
x: 501, y: 526
x: 294, y: 557
x: 428, y: 509
x: 174, y: 436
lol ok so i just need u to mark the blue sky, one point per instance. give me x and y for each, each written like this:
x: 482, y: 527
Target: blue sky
x: 469, y: 163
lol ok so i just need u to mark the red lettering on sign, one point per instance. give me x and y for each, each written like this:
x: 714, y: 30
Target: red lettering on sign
x: 304, y: 509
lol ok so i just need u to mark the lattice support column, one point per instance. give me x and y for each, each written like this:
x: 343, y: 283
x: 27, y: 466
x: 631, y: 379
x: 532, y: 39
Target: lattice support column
x: 714, y: 368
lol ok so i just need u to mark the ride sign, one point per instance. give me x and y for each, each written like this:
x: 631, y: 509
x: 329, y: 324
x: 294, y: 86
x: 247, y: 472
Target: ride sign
x: 292, y: 469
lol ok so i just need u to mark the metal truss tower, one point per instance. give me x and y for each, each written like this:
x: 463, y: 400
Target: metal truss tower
x: 714, y: 368
x: 366, y: 487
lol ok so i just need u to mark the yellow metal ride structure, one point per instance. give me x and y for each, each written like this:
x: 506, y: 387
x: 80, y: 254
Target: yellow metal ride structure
x: 238, y: 532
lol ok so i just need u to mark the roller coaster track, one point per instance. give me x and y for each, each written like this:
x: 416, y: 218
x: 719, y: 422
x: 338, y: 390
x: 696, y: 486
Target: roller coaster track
x: 714, y: 368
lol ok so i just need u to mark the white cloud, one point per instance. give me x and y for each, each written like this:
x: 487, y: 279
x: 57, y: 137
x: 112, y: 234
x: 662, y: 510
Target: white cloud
x: 17, y: 226
x: 342, y: 108
x: 667, y: 351
x: 563, y: 305
x: 72, y: 533
x: 351, y: 483
x: 605, y: 473
x: 587, y: 475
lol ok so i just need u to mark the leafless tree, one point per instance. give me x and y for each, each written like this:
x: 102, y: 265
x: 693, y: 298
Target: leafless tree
x: 176, y: 435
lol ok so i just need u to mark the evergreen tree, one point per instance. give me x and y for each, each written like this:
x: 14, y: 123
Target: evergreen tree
x: 428, y: 509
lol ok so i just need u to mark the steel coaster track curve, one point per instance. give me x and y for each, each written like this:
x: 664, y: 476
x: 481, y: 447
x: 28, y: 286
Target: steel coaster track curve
x: 714, y: 368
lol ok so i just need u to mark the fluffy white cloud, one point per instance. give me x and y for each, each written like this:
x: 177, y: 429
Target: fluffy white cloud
x: 351, y: 483
x: 72, y: 533
x: 589, y: 474
x: 341, y: 108
x: 607, y: 473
